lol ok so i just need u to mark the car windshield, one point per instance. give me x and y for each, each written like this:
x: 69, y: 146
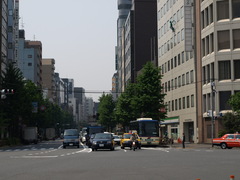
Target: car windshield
x: 103, y: 136
x: 127, y: 136
x: 70, y: 132
x: 116, y: 137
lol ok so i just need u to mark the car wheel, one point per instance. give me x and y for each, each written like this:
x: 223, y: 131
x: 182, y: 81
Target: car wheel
x: 92, y: 149
x: 139, y: 147
x: 223, y: 145
x: 112, y: 149
x: 64, y: 147
x: 77, y: 146
x: 122, y: 147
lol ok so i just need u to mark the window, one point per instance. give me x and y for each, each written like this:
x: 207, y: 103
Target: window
x: 172, y: 84
x: 236, y: 69
x: 223, y: 40
x: 165, y: 86
x: 183, y: 57
x: 179, y: 103
x: 29, y: 56
x: 192, y: 100
x: 176, y: 104
x: 236, y: 38
x: 235, y: 8
x: 222, y: 10
x: 172, y: 63
x: 29, y: 64
x: 175, y: 61
x: 212, y: 71
x: 187, y: 78
x: 175, y: 83
x: 183, y: 102
x: 169, y: 65
x: 172, y: 105
x: 224, y: 96
x: 211, y: 13
x: 183, y: 79
x: 188, y: 103
x: 169, y: 106
x: 179, y: 81
x: 211, y: 43
x: 224, y: 70
x: 179, y: 59
x: 203, y: 47
x: 182, y: 35
x: 168, y: 85
x: 191, y: 76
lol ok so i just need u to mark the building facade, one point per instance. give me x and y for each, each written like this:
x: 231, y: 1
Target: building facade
x: 220, y: 57
x: 48, y: 78
x: 30, y: 59
x: 177, y: 62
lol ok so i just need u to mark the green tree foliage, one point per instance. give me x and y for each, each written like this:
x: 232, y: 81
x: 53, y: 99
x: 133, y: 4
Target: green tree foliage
x: 231, y: 123
x: 106, y: 111
x: 150, y: 97
x: 142, y: 99
x: 234, y: 102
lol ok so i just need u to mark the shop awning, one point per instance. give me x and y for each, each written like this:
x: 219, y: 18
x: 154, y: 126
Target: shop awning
x: 170, y: 120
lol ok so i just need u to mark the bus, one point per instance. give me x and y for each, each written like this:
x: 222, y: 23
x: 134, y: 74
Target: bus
x: 147, y: 129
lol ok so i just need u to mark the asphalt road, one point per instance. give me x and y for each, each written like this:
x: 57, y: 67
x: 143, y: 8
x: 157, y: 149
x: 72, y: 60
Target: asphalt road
x: 49, y: 161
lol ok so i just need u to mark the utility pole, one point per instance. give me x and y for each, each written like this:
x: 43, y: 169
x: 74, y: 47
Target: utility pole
x: 212, y: 114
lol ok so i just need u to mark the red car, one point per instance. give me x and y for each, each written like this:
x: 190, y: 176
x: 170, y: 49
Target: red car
x: 227, y: 141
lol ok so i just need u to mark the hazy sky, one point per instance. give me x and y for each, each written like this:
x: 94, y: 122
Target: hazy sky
x: 80, y: 35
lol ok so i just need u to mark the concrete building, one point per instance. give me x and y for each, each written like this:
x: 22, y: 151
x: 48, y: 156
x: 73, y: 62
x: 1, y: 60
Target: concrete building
x: 139, y: 41
x: 60, y: 89
x: 124, y: 7
x: 30, y: 59
x: 13, y: 28
x: 3, y: 34
x: 114, y: 86
x: 175, y: 57
x: 220, y: 58
x: 48, y: 78
x: 79, y: 94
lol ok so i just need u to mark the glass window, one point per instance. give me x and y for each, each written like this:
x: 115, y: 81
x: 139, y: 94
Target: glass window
x: 187, y: 78
x: 179, y: 103
x: 223, y: 40
x: 224, y: 70
x: 222, y: 10
x: 172, y: 105
x: 236, y: 69
x: 236, y: 38
x: 175, y: 83
x: 235, y: 9
x: 191, y: 76
x: 192, y: 100
x: 183, y: 57
x: 176, y: 104
x: 230, y: 137
x: 179, y: 81
x: 184, y: 102
x: 224, y: 96
x: 183, y: 79
x: 188, y: 102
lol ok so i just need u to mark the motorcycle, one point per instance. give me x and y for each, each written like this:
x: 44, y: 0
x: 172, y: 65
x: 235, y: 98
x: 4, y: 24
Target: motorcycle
x: 134, y: 145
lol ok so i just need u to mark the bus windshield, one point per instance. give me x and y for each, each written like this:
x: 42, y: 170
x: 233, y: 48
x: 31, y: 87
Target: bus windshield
x: 148, y: 128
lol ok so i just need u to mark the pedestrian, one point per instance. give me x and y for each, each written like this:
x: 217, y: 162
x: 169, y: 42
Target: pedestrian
x: 183, y: 141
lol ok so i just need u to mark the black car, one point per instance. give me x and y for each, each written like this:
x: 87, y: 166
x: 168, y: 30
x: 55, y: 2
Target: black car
x: 89, y: 143
x: 103, y: 141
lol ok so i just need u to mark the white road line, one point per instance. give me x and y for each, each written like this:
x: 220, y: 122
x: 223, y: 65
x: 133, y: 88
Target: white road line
x: 37, y: 157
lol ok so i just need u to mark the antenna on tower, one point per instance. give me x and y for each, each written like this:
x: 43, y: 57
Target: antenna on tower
x: 34, y: 37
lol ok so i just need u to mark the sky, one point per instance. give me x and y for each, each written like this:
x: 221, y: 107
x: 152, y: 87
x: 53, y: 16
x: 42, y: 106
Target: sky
x: 80, y: 35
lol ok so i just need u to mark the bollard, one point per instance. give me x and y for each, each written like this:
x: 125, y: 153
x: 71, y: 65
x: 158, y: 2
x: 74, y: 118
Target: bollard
x: 231, y: 177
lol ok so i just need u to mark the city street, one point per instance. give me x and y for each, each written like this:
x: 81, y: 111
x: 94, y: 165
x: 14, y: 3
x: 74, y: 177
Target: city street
x: 48, y: 160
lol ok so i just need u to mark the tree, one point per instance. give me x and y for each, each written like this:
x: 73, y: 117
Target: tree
x: 234, y: 102
x: 150, y: 96
x: 106, y: 111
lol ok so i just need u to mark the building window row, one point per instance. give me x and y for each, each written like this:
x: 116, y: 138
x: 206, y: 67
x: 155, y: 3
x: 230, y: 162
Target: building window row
x: 224, y: 11
x: 174, y: 19
x: 175, y: 40
x: 176, y: 61
x: 181, y: 103
x: 166, y: 7
x: 208, y: 45
x: 179, y: 81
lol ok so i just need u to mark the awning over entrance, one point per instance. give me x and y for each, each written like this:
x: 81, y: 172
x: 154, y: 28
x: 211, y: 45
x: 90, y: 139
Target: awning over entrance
x: 170, y: 120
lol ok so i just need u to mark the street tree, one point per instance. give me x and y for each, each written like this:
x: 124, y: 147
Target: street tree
x: 150, y: 96
x: 106, y: 111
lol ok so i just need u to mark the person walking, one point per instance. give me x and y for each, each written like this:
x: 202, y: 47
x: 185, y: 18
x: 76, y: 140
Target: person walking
x: 183, y: 141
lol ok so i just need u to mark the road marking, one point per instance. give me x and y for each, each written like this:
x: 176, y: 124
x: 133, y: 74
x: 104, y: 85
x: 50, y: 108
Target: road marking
x: 37, y: 157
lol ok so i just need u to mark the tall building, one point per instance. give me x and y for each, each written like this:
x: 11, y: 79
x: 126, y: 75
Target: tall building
x: 177, y: 62
x: 30, y: 59
x: 220, y: 58
x: 139, y: 39
x: 60, y: 89
x: 79, y: 94
x: 13, y: 28
x: 48, y: 78
x: 124, y: 7
x: 3, y: 34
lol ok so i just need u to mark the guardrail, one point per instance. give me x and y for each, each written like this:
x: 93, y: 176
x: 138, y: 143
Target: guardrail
x: 231, y: 177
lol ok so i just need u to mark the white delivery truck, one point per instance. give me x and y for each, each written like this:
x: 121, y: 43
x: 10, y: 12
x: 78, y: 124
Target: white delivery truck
x: 30, y: 135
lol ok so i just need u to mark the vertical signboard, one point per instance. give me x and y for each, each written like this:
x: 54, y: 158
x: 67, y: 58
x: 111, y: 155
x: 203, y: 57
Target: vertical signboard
x: 188, y: 24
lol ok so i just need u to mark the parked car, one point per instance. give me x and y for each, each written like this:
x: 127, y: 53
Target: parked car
x: 103, y: 141
x: 70, y: 138
x: 126, y: 142
x: 227, y: 141
x: 117, y: 139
